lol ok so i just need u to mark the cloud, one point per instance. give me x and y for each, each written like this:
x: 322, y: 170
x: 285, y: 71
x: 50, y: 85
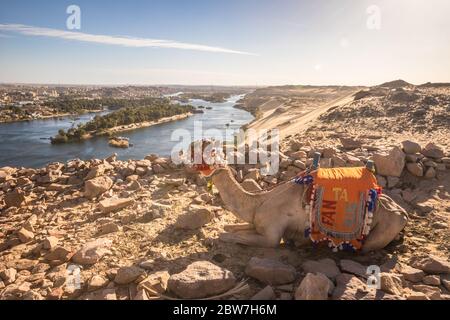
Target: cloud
x: 113, y: 40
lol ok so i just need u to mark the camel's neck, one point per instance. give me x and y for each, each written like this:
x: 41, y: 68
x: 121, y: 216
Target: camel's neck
x: 239, y: 201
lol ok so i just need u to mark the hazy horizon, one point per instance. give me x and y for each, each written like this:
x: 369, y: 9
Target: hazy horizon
x: 233, y: 43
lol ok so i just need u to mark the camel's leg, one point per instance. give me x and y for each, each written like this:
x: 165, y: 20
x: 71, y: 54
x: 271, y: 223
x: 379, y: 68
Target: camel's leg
x: 239, y: 227
x: 390, y: 224
x: 252, y: 239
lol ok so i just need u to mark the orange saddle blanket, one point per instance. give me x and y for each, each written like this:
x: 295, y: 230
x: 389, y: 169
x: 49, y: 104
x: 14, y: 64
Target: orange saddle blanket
x: 341, y: 207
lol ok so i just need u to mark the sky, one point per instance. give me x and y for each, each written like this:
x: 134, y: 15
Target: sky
x: 226, y: 42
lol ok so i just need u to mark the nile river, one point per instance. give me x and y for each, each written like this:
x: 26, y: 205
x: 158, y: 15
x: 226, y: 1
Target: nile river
x: 26, y: 144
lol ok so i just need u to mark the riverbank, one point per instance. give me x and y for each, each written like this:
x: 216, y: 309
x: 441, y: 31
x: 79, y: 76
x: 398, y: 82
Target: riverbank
x: 145, y: 124
x: 52, y: 116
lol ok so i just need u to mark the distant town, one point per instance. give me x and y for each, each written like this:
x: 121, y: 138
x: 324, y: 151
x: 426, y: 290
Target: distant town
x: 31, y: 102
x: 21, y: 102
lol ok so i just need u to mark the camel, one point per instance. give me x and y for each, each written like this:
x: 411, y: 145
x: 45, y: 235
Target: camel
x: 279, y: 214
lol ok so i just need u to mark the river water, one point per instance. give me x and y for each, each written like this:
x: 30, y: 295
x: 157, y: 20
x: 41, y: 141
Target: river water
x: 26, y: 144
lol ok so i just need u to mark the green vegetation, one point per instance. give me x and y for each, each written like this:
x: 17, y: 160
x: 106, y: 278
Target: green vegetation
x: 215, y: 97
x: 153, y: 109
x: 73, y: 106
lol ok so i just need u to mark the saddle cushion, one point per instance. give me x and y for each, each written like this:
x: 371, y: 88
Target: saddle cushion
x: 342, y: 202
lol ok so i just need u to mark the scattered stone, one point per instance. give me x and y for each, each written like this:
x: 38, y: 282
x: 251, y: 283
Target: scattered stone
x: 439, y: 225
x: 326, y: 266
x: 411, y: 147
x: 432, y: 150
x: 147, y: 264
x: 432, y: 280
x: 430, y: 173
x: 434, y: 293
x: 270, y: 271
x: 110, y: 227
x: 8, y: 276
x: 115, y: 204
x: 50, y: 243
x: 126, y: 275
x: 25, y: 235
x: 446, y: 283
x: 265, y: 294
x: 201, y: 279
x: 415, y: 168
x: 92, y: 252
x: 97, y: 282
x: 299, y: 164
x: 349, y: 287
x: 195, y: 218
x: 391, y: 283
x: 390, y: 164
x: 412, y: 274
x: 392, y: 181
x: 155, y: 282
x: 415, y: 295
x: 354, y: 267
x: 59, y: 254
x: 97, y: 186
x: 313, y: 287
x: 432, y: 264
x: 14, y: 198
x: 55, y: 294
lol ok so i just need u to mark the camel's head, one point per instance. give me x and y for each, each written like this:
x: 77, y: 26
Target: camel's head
x: 207, y: 157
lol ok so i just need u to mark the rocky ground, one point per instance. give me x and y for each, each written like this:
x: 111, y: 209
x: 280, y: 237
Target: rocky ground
x: 146, y: 229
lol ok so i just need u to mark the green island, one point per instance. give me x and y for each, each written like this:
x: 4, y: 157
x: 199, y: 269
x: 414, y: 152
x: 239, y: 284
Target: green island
x: 132, y: 114
x: 214, y: 97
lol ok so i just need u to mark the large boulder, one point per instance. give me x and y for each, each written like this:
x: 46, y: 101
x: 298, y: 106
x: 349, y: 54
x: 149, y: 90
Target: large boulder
x: 390, y: 164
x: 432, y: 150
x: 432, y: 264
x: 201, y: 279
x: 314, y: 287
x: 411, y: 147
x: 60, y: 254
x: 391, y: 283
x: 115, y: 204
x: 92, y: 252
x: 97, y: 186
x: 325, y: 266
x: 415, y: 168
x: 353, y: 267
x: 126, y: 275
x: 195, y: 218
x: 349, y: 287
x: 270, y: 271
x: 412, y: 274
